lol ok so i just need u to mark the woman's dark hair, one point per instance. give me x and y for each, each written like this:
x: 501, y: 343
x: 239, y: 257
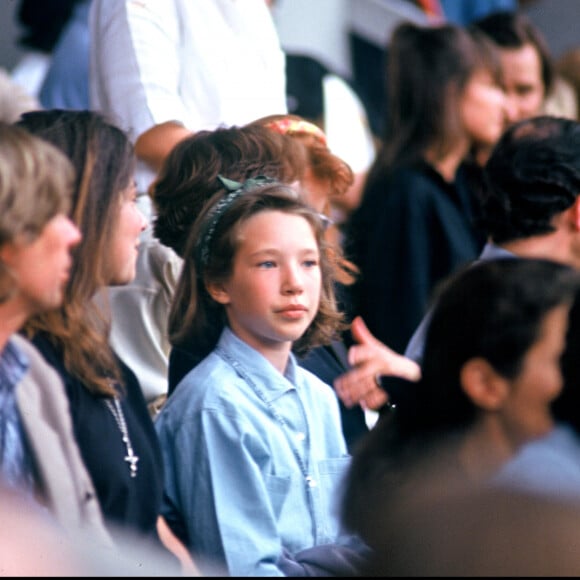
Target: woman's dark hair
x: 427, y: 69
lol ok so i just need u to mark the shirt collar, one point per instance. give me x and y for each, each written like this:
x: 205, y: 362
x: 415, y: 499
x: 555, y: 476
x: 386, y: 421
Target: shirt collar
x: 258, y: 367
x: 493, y: 252
x: 13, y: 365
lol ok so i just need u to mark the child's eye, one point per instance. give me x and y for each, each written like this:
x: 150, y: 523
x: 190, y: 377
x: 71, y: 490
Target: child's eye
x: 311, y: 263
x: 267, y: 264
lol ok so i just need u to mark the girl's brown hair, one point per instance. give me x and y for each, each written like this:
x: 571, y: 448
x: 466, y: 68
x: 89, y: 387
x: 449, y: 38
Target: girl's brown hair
x: 195, y: 318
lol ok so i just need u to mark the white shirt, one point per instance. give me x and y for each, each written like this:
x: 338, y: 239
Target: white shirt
x: 203, y: 63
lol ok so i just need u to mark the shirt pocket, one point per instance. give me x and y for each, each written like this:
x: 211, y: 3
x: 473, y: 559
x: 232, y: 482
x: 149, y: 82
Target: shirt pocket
x: 278, y: 488
x: 331, y: 474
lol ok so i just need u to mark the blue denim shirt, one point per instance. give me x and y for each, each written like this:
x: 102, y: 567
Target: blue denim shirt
x: 16, y: 467
x: 231, y: 467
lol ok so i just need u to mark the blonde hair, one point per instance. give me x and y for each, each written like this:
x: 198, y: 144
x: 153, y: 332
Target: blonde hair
x: 36, y: 184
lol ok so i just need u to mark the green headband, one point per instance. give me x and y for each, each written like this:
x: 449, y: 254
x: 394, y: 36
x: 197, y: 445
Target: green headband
x: 235, y: 189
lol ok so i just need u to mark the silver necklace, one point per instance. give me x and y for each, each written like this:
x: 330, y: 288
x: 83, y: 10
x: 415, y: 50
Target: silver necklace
x: 115, y: 407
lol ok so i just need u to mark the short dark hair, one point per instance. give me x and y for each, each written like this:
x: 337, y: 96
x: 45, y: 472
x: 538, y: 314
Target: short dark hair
x: 494, y: 310
x: 427, y: 69
x: 532, y: 175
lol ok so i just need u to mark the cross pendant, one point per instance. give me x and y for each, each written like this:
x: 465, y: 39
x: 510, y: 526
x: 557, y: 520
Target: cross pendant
x: 132, y: 459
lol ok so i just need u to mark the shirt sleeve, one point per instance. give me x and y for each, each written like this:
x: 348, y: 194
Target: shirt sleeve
x: 135, y: 51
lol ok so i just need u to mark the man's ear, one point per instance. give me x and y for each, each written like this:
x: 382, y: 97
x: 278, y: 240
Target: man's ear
x: 575, y: 213
x: 218, y: 292
x: 9, y: 253
x: 483, y: 385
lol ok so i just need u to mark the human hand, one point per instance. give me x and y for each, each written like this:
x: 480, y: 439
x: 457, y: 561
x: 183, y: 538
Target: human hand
x: 371, y: 359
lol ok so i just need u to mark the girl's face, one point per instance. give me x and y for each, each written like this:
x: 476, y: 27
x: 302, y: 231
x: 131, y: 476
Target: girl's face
x: 42, y: 268
x: 274, y: 291
x: 131, y: 222
x: 485, y: 109
x: 526, y: 410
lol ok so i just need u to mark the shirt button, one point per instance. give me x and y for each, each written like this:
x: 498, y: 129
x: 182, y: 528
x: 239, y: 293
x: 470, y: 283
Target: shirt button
x: 300, y: 436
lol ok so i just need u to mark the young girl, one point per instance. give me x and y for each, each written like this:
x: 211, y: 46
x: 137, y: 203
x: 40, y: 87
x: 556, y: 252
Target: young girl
x: 252, y: 443
x: 287, y: 148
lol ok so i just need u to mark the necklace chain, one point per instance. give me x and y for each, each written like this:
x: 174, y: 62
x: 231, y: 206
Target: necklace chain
x: 115, y: 407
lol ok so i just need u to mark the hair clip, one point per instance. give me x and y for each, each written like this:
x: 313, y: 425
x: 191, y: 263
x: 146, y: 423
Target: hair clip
x: 234, y: 190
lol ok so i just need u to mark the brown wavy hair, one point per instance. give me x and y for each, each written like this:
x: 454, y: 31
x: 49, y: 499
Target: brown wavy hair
x: 104, y: 162
x: 195, y: 318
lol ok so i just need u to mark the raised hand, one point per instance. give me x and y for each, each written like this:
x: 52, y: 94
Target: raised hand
x: 371, y: 359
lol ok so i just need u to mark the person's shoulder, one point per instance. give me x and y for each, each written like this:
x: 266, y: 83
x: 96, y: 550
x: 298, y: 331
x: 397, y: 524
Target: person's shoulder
x: 314, y: 384
x: 42, y: 382
x: 407, y: 184
x: 37, y: 363
x: 209, y: 380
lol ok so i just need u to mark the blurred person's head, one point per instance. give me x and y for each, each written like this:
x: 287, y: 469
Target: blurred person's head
x: 445, y: 69
x: 326, y: 176
x: 526, y: 61
x: 493, y: 345
x: 490, y: 372
x: 189, y: 176
x: 36, y: 236
x: 532, y: 187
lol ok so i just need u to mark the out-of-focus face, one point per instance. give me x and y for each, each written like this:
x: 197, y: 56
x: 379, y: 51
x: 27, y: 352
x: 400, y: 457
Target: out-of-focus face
x: 522, y: 68
x: 41, y: 268
x: 485, y: 109
x: 274, y: 291
x: 122, y: 261
x: 526, y: 410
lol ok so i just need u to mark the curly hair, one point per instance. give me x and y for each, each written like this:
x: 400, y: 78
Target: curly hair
x: 188, y: 178
x: 532, y: 175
